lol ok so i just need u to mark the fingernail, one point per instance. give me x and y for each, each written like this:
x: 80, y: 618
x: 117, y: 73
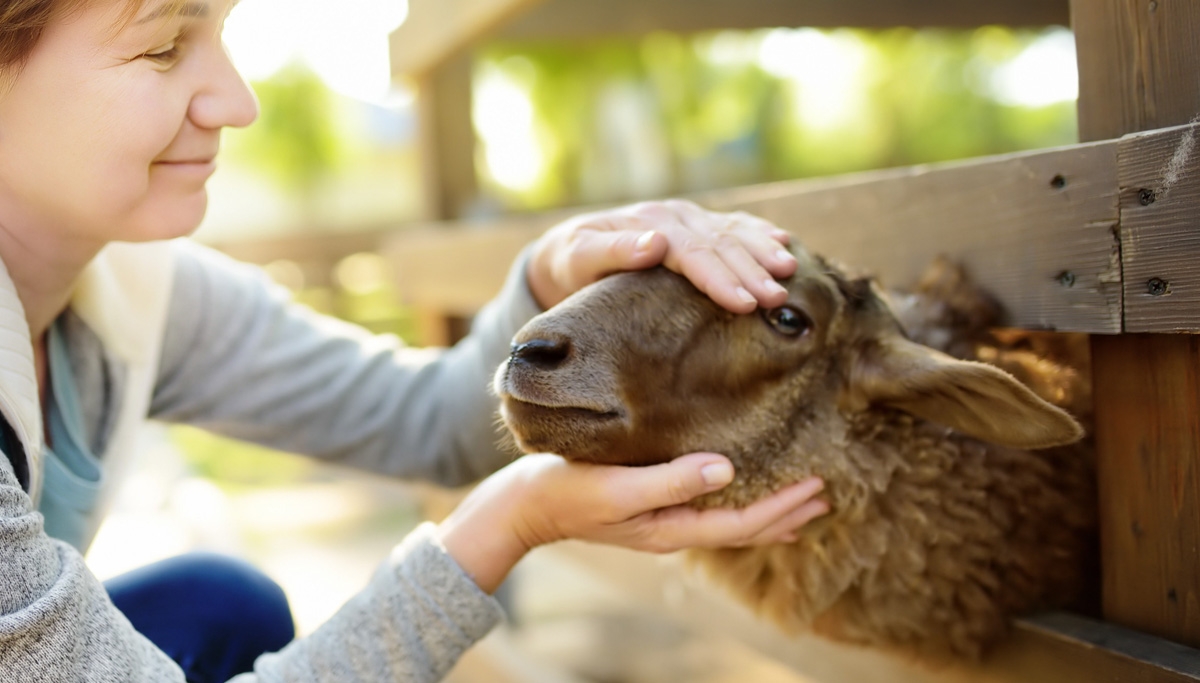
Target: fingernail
x: 642, y: 244
x: 717, y: 474
x: 746, y: 296
x: 773, y: 286
x: 785, y: 255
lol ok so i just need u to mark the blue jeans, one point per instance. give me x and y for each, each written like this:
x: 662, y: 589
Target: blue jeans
x: 212, y: 614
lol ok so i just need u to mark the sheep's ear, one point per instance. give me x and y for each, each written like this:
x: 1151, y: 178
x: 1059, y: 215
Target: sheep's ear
x: 976, y: 399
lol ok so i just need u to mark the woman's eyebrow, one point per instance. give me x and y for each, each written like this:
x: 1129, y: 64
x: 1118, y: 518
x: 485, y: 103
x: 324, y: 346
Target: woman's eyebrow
x: 186, y: 9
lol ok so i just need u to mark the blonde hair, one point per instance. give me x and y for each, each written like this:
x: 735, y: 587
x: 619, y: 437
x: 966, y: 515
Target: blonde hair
x: 22, y: 23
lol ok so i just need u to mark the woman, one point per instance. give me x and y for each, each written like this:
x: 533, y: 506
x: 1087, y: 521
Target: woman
x: 110, y: 118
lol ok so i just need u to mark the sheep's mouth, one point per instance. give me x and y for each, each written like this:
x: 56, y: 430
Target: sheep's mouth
x: 521, y: 409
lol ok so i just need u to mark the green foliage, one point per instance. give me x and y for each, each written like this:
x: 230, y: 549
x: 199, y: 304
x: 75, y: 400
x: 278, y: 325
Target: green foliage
x: 236, y: 464
x: 296, y: 139
x: 920, y: 96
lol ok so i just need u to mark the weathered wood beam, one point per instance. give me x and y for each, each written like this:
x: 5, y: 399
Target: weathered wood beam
x: 1138, y: 66
x: 1034, y: 228
x: 574, y: 19
x: 1160, y: 230
x: 436, y: 30
x: 1048, y: 648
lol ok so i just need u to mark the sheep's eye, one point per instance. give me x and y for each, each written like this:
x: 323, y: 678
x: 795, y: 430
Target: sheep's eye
x: 788, y: 321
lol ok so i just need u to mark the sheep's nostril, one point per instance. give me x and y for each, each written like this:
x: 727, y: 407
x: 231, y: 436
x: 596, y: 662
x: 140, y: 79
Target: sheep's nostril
x: 541, y: 353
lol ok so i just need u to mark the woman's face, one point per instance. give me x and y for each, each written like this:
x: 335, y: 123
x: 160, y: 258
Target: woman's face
x: 110, y: 130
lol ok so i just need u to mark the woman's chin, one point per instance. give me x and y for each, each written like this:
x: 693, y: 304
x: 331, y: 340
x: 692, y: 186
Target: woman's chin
x: 168, y: 220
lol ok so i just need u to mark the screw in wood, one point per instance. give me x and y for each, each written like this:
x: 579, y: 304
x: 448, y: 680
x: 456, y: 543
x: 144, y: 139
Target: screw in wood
x: 1066, y: 278
x: 1157, y: 286
x: 1146, y: 196
x: 1058, y: 182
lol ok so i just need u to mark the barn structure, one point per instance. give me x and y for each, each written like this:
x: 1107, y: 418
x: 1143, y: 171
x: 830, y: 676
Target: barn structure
x: 1101, y: 237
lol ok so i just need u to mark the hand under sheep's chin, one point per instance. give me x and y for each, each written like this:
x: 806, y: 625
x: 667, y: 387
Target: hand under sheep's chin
x: 959, y: 496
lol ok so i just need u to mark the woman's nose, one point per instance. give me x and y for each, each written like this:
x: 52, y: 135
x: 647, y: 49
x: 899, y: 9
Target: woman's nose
x: 226, y: 99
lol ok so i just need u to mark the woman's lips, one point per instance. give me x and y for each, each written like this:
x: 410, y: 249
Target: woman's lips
x: 197, y: 167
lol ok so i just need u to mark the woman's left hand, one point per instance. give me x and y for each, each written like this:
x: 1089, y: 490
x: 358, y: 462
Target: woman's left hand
x: 734, y: 258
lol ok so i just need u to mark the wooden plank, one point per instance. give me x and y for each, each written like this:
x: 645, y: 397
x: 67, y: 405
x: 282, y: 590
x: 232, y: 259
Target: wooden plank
x: 456, y: 268
x: 1043, y: 246
x: 1046, y: 252
x: 446, y: 140
x: 1160, y: 230
x: 316, y: 256
x: 436, y: 30
x: 1138, y: 62
x: 575, y: 19
x: 1137, y: 65
x: 1148, y: 436
x: 1051, y: 648
x: 325, y: 248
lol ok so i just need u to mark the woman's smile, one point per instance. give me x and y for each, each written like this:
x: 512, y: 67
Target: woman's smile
x: 198, y: 168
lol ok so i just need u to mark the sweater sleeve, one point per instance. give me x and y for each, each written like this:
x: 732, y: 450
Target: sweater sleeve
x: 411, y: 623
x: 241, y: 359
x: 417, y: 616
x: 56, y: 621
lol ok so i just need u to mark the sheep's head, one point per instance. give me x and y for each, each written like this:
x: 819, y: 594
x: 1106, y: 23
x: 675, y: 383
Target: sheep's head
x: 641, y: 367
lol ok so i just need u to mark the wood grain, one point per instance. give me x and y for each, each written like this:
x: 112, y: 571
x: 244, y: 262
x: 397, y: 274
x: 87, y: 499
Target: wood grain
x: 1138, y: 62
x: 576, y: 19
x: 1148, y: 435
x: 1046, y: 253
x: 1137, y: 65
x: 1160, y: 230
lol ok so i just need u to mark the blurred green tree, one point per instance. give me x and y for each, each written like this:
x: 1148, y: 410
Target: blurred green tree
x: 666, y: 114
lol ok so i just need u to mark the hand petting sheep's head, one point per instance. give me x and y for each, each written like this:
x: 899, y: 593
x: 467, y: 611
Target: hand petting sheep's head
x: 642, y: 367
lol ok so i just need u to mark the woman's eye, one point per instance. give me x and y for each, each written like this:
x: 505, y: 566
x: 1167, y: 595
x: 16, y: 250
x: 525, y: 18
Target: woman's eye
x: 166, y: 53
x: 788, y: 321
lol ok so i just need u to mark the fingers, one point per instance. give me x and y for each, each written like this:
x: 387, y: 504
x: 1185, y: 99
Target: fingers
x: 734, y: 258
x: 784, y: 530
x: 771, y: 520
x: 597, y: 252
x: 767, y: 519
x: 642, y: 489
x: 742, y: 272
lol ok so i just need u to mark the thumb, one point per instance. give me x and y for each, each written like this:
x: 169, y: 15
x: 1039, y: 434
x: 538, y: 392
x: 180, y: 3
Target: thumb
x: 676, y: 482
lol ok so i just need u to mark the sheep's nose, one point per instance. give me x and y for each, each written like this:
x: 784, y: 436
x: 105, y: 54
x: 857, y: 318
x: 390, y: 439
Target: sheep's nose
x: 543, y: 354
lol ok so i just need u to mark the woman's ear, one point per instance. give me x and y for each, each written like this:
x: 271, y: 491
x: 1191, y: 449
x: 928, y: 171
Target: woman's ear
x: 973, y: 398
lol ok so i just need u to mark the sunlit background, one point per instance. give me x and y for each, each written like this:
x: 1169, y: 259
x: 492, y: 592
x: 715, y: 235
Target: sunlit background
x: 569, y: 123
x: 558, y: 124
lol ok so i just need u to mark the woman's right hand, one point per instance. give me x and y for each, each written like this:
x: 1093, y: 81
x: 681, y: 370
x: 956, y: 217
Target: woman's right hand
x: 541, y: 499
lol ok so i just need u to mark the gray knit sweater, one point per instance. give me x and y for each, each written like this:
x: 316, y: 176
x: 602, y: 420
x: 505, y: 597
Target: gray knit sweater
x: 240, y: 359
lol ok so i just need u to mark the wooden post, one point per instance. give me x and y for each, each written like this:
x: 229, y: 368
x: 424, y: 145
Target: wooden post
x: 1139, y: 68
x: 447, y: 138
x: 447, y: 149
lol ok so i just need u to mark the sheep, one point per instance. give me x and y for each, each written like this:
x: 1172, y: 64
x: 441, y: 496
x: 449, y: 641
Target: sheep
x: 960, y: 497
